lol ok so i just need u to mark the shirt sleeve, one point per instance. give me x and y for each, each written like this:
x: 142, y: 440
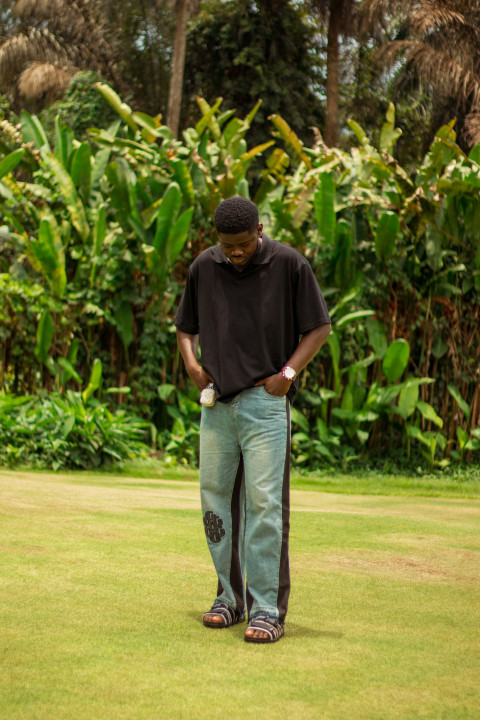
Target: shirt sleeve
x: 310, y: 307
x: 186, y: 319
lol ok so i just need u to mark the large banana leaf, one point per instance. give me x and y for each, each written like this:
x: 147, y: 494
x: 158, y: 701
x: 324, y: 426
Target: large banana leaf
x: 70, y: 195
x: 235, y: 131
x: 63, y: 142
x: 290, y: 138
x: 152, y: 128
x: 116, y: 103
x: 396, y: 359
x: 249, y: 118
x: 334, y: 345
x: 95, y: 380
x: 386, y: 235
x: 377, y: 337
x: 32, y: 130
x: 100, y: 232
x: 429, y: 413
x: 11, y: 161
x: 407, y: 400
x: 167, y: 216
x: 50, y: 258
x: 324, y: 204
x: 181, y: 175
x: 99, y: 167
x: 123, y: 317
x: 232, y: 134
x: 178, y: 236
x: 208, y: 119
x: 82, y: 171
x: 240, y: 166
x: 389, y: 134
x: 120, y: 175
x: 464, y: 406
x: 360, y: 134
x: 343, y: 255
x: 45, y: 332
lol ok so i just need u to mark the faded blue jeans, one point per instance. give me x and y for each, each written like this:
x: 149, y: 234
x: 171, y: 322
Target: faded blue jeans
x: 244, y: 487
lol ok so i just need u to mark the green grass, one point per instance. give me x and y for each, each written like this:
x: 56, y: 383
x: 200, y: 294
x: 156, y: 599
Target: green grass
x: 459, y: 481
x: 103, y: 581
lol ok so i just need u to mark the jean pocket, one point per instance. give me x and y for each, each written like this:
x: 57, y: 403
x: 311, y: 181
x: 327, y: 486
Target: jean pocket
x: 269, y: 395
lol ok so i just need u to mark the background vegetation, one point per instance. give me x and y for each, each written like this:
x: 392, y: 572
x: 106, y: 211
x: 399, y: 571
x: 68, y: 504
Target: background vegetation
x: 103, y: 209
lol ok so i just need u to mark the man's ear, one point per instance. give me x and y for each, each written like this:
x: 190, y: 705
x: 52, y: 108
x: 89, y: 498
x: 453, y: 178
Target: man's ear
x: 260, y: 229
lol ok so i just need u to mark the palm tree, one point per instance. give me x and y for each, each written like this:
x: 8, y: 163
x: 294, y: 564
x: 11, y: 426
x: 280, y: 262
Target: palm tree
x: 183, y: 9
x: 440, y: 41
x: 55, y: 39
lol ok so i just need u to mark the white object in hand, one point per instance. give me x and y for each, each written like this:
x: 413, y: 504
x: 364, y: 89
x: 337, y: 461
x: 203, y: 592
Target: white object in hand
x: 207, y: 396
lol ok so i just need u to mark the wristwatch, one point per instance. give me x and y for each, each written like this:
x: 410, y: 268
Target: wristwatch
x: 289, y: 373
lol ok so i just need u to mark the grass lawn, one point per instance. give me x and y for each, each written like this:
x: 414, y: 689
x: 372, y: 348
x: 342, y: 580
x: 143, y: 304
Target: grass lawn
x: 103, y: 581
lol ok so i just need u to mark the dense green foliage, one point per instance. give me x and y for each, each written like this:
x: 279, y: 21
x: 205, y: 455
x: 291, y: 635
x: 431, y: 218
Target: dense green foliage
x: 64, y: 431
x: 98, y: 234
x: 256, y: 50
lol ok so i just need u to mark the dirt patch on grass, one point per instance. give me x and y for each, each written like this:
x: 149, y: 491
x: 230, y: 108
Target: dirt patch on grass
x: 395, y: 506
x: 449, y: 567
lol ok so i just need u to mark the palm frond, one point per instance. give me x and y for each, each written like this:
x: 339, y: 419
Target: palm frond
x: 472, y: 127
x: 445, y: 71
x: 40, y: 9
x: 45, y: 80
x: 430, y: 16
x: 376, y: 10
x: 22, y: 49
x: 63, y: 33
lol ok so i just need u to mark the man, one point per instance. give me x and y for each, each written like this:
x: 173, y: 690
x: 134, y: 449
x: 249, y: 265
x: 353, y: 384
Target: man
x: 249, y: 299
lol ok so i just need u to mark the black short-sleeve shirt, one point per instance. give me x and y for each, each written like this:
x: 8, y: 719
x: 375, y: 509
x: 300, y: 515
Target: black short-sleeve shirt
x: 250, y: 321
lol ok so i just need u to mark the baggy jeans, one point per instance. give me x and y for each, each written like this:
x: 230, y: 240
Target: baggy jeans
x: 244, y: 488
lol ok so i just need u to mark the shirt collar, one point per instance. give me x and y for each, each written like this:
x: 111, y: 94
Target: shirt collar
x: 260, y: 258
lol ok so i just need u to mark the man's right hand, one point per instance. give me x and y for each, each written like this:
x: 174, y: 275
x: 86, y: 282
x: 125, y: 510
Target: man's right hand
x: 187, y: 345
x: 198, y: 375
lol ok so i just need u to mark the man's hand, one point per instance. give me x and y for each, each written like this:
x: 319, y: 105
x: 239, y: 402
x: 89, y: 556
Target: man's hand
x: 307, y: 348
x: 198, y: 375
x: 275, y: 384
x: 187, y: 345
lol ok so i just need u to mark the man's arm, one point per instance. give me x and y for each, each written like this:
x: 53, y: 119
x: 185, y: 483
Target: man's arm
x: 306, y: 350
x: 188, y: 344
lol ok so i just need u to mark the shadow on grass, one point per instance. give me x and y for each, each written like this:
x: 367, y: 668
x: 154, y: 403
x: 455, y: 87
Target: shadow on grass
x: 296, y: 630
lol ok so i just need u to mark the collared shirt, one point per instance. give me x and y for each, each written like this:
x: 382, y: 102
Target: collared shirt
x: 250, y: 322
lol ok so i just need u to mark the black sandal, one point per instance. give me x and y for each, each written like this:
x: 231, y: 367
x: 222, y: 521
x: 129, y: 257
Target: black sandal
x: 229, y: 617
x: 273, y: 629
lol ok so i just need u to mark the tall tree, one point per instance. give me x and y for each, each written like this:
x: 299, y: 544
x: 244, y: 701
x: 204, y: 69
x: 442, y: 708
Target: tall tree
x: 183, y: 10
x: 438, y: 40
x: 338, y: 16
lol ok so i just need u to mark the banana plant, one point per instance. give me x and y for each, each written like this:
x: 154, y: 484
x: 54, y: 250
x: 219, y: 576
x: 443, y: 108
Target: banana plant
x: 466, y: 441
x: 219, y: 153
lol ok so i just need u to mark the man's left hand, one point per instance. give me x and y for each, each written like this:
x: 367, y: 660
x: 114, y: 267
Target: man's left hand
x: 275, y: 384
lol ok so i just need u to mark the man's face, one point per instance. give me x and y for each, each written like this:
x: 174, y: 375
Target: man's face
x: 239, y: 248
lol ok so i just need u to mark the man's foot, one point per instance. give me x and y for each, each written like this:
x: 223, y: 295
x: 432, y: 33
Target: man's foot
x: 222, y: 616
x: 263, y: 629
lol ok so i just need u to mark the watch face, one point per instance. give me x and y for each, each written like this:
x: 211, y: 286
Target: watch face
x: 289, y: 373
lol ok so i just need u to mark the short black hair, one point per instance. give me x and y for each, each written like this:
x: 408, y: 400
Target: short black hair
x: 235, y: 215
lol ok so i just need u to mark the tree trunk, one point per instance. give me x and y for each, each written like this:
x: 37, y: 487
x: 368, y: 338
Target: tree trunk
x: 331, y: 116
x: 178, y: 64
